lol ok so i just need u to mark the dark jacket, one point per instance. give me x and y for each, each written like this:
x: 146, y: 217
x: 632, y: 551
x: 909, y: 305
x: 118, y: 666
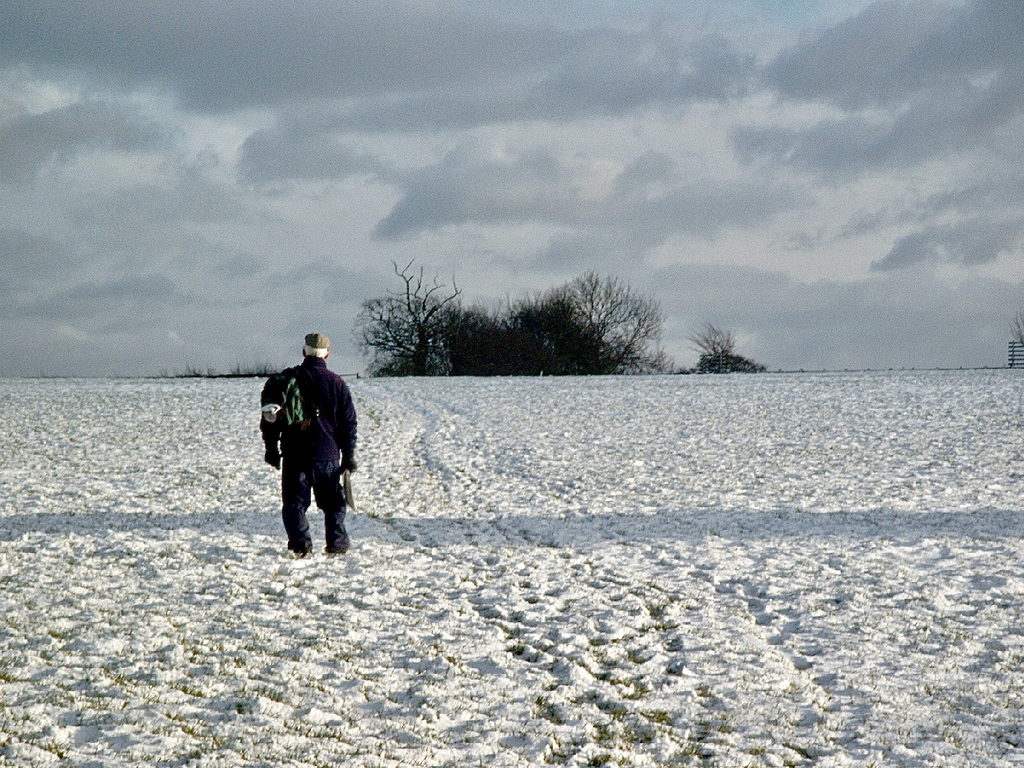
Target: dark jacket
x: 332, y: 436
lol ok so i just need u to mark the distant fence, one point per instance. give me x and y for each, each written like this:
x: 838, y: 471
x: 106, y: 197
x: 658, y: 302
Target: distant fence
x: 1015, y: 359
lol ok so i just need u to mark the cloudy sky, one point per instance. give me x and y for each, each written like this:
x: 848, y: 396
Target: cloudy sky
x: 196, y: 184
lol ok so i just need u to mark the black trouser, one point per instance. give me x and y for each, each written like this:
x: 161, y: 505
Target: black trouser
x: 302, y: 480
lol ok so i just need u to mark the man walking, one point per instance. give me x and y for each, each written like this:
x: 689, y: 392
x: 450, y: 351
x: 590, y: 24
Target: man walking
x: 313, y: 457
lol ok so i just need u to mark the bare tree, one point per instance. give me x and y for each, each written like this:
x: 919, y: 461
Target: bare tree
x: 717, y: 350
x: 1017, y: 326
x: 403, y: 332
x: 553, y: 337
x: 710, y: 340
x: 627, y: 325
x: 592, y: 325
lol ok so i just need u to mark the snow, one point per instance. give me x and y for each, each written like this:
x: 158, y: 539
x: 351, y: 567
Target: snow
x: 763, y: 570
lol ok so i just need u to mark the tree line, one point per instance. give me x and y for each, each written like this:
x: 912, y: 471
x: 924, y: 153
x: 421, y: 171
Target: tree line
x: 592, y: 325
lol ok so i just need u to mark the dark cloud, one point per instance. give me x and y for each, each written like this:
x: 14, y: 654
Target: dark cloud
x: 130, y: 296
x: 232, y: 267
x: 23, y: 254
x: 230, y: 55
x: 837, y: 150
x: 29, y: 141
x: 917, y: 80
x: 29, y: 263
x: 396, y: 65
x: 274, y: 156
x: 706, y: 207
x: 38, y: 349
x: 899, y: 86
x: 977, y: 241
x: 650, y: 198
x: 863, y: 60
x: 97, y: 327
x: 982, y: 37
x: 616, y: 72
x: 996, y: 186
x: 167, y: 211
x: 469, y: 185
x: 898, y: 52
x: 597, y: 72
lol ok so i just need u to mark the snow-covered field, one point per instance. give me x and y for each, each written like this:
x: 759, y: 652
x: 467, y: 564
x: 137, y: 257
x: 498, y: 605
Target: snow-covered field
x: 761, y: 570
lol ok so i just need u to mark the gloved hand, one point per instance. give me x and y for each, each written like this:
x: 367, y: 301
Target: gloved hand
x: 273, y: 456
x: 349, y: 464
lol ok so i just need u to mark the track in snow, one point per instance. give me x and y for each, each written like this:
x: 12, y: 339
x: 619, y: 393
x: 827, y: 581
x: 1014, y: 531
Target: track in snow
x: 737, y: 571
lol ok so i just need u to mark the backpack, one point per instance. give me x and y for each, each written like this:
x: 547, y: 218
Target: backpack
x: 282, y: 404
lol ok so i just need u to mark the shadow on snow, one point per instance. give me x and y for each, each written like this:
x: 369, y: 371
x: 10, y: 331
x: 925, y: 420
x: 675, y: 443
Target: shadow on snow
x: 576, y: 532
